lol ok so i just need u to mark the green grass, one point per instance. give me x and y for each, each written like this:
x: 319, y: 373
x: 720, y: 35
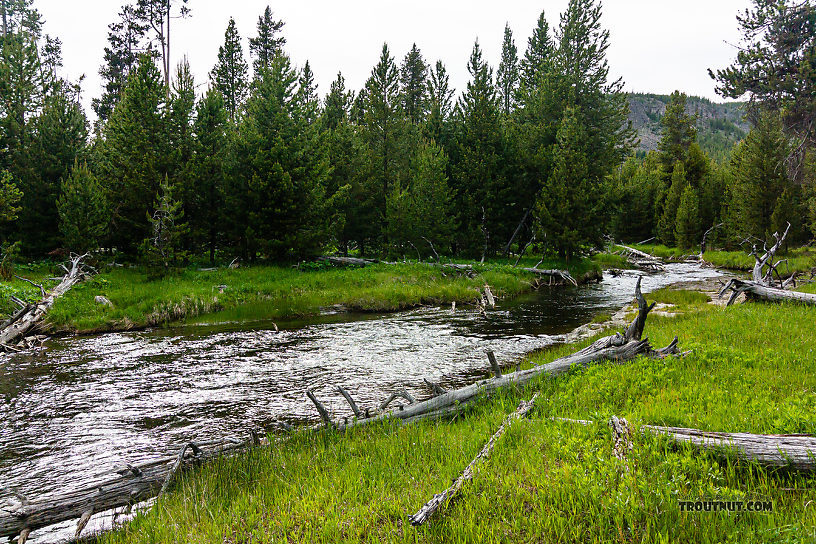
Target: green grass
x: 611, y: 260
x: 752, y: 369
x: 663, y: 252
x: 275, y: 292
x: 800, y: 260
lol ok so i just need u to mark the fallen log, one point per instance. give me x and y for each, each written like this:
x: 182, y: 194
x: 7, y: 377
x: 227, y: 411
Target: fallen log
x: 428, y: 509
x: 133, y: 484
x: 643, y: 260
x: 797, y: 451
x: 563, y: 275
x: 347, y: 261
x: 30, y: 316
x: 759, y: 291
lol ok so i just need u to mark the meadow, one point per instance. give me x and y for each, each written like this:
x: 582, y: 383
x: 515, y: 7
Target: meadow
x: 752, y: 368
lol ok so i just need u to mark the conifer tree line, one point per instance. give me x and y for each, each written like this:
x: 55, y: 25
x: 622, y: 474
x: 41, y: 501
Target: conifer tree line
x: 259, y: 164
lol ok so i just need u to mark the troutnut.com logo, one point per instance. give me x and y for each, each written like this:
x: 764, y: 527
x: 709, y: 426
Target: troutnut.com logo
x: 706, y: 505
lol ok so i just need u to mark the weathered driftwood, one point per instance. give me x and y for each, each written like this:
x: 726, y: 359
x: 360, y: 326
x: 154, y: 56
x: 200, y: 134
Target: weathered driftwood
x: 132, y: 485
x: 759, y: 291
x: 346, y: 261
x: 643, y: 260
x: 428, y: 509
x: 796, y: 451
x: 29, y: 317
x: 562, y: 275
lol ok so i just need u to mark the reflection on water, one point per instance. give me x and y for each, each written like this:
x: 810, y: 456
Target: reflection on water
x: 75, y: 410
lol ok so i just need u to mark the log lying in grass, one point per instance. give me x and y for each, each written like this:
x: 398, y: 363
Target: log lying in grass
x: 795, y: 451
x: 133, y: 485
x: 347, y: 261
x: 758, y: 291
x: 26, y: 320
x: 428, y: 509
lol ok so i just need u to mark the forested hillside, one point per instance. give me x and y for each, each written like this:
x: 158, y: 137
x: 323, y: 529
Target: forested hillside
x: 719, y: 125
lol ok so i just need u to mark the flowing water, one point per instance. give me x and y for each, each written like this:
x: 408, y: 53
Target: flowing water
x: 80, y: 407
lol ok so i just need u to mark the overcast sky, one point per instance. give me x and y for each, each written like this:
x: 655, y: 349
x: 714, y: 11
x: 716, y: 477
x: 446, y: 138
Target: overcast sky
x: 656, y: 45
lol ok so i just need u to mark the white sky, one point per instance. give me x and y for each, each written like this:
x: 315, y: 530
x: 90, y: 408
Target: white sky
x: 656, y: 45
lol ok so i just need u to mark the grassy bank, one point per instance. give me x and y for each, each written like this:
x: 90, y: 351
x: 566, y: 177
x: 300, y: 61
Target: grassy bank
x: 269, y: 292
x: 752, y: 369
x: 799, y: 259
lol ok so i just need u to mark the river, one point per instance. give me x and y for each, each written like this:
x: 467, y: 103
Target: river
x: 80, y: 407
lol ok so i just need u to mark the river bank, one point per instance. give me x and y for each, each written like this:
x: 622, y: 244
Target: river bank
x: 138, y: 300
x: 751, y: 369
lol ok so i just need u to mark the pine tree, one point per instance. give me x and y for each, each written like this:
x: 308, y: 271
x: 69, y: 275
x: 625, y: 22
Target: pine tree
x: 477, y: 174
x: 338, y: 104
x: 230, y: 72
x: 679, y: 131
x: 83, y: 210
x: 413, y: 80
x: 162, y: 249
x: 60, y: 135
x: 432, y: 218
x: 668, y: 218
x: 537, y: 56
x: 282, y: 168
x: 267, y: 44
x: 121, y: 56
x: 759, y: 178
x: 208, y: 171
x: 594, y: 114
x: 134, y: 154
x: 384, y: 126
x: 507, y: 77
x: 568, y: 197
x: 440, y: 105
x: 687, y: 224
x: 307, y: 94
x: 10, y: 197
x: 156, y: 16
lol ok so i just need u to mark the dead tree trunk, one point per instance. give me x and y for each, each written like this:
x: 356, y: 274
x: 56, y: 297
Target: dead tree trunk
x: 796, y: 451
x: 705, y: 237
x: 346, y: 261
x: 758, y: 291
x: 133, y: 485
x: 562, y: 275
x: 428, y: 509
x: 766, y: 278
x: 643, y: 260
x: 30, y: 316
x: 516, y: 232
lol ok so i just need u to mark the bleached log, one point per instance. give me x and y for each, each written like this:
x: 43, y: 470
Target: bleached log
x: 562, y: 274
x: 796, y: 451
x: 643, y: 260
x: 27, y: 321
x: 428, y: 509
x: 130, y: 486
x: 345, y: 261
x: 352, y: 404
x: 759, y: 291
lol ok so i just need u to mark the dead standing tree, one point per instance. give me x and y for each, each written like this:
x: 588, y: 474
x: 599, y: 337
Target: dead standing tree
x: 761, y: 286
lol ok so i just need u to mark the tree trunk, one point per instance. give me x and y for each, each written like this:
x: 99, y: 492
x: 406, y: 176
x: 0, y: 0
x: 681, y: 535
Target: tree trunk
x: 23, y: 322
x: 758, y: 291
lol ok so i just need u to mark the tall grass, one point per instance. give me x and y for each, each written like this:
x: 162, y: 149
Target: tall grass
x: 275, y: 292
x: 752, y: 369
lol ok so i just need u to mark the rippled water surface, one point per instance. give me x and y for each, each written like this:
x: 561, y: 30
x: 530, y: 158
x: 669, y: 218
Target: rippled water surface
x: 80, y: 407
